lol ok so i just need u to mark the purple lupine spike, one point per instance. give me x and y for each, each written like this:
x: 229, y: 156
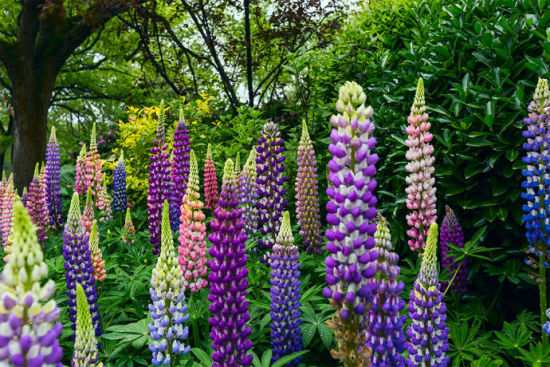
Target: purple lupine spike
x: 428, y: 334
x: 307, y: 194
x: 385, y: 337
x: 159, y: 183
x: 228, y: 280
x: 451, y: 233
x: 78, y: 264
x: 120, y: 199
x: 29, y: 316
x: 36, y: 204
x: 210, y: 181
x: 351, y: 213
x: 53, y: 180
x: 270, y: 183
x: 249, y: 194
x: 286, y: 335
x: 179, y: 170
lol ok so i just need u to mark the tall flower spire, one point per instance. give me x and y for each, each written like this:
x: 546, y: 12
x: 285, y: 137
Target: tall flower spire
x: 104, y: 202
x: 385, y: 336
x: 228, y: 280
x: 210, y: 181
x: 159, y: 183
x: 351, y: 212
x: 53, y: 180
x: 421, y: 199
x: 6, y: 211
x: 29, y: 316
x: 192, y: 238
x: 97, y: 257
x: 85, y: 345
x: 451, y: 233
x: 238, y: 164
x: 286, y: 335
x: 88, y: 216
x: 129, y: 231
x: 80, y: 172
x: 167, y: 308
x: 37, y: 205
x: 78, y: 264
x: 307, y: 193
x: 249, y: 194
x: 94, y: 169
x: 428, y: 333
x: 179, y: 169
x: 120, y: 200
x: 270, y: 183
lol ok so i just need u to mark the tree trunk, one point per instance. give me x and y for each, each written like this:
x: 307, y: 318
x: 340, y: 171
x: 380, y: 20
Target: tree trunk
x: 248, y: 45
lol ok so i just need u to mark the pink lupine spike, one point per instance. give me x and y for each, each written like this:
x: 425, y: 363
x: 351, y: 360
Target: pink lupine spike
x: 93, y: 169
x: 80, y: 172
x: 210, y: 181
x: 88, y: 215
x: 37, y: 206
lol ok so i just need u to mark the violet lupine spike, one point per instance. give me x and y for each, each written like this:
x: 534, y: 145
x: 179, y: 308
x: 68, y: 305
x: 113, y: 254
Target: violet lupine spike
x: 80, y: 172
x: 179, y: 170
x: 428, y: 333
x: 385, y: 336
x: 451, y: 233
x: 270, y: 183
x: 6, y: 212
x: 286, y: 335
x: 168, y: 309
x: 307, y: 194
x: 230, y: 333
x: 85, y: 353
x: 53, y: 180
x: 421, y: 191
x: 159, y: 183
x: 210, y: 181
x: 192, y: 238
x: 37, y: 206
x: 249, y: 194
x: 24, y: 196
x: 120, y: 198
x: 78, y: 264
x: 351, y: 213
x: 29, y: 316
x: 88, y: 215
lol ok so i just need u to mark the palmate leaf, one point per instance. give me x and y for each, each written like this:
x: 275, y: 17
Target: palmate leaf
x: 466, y: 342
x: 513, y: 336
x: 538, y: 355
x: 202, y: 356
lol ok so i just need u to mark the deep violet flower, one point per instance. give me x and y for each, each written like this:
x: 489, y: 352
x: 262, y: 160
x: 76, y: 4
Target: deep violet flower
x: 120, y: 199
x: 210, y: 181
x: 230, y: 333
x: 249, y: 194
x: 53, y: 180
x: 179, y: 170
x: 85, y: 346
x: 451, y: 233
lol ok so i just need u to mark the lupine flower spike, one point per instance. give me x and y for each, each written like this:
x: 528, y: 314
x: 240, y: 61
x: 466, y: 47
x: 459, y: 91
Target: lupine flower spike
x: 29, y: 316
x: 159, y: 183
x: 451, y: 233
x: 192, y: 238
x: 421, y: 199
x: 179, y: 170
x: 94, y: 170
x: 286, y: 335
x: 238, y: 164
x: 80, y: 172
x: 120, y: 199
x: 85, y: 345
x: 37, y: 206
x: 230, y: 333
x: 97, y: 257
x: 167, y: 308
x: 249, y: 194
x: 24, y: 196
x: 307, y: 194
x: 6, y: 211
x: 78, y: 264
x: 210, y: 181
x: 270, y: 183
x: 88, y: 215
x: 428, y: 333
x: 385, y: 336
x: 129, y: 231
x: 53, y: 180
x: 104, y: 202
x: 351, y: 213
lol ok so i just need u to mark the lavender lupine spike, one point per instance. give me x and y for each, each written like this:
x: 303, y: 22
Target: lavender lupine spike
x: 385, y: 336
x: 78, y: 264
x: 421, y: 198
x: 129, y: 231
x: 80, y: 172
x: 229, y: 332
x: 270, y: 183
x: 37, y: 205
x: 85, y: 352
x: 286, y: 335
x: 29, y: 316
x: 307, y: 194
x: 53, y: 180
x: 159, y: 183
x: 451, y: 233
x: 179, y: 170
x: 168, y: 309
x: 210, y: 181
x: 192, y: 237
x: 428, y: 333
x: 249, y: 194
x: 120, y: 199
x: 6, y: 213
x: 351, y: 212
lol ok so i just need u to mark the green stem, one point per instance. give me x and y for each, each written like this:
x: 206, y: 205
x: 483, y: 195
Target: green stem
x: 453, y: 278
x: 542, y: 294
